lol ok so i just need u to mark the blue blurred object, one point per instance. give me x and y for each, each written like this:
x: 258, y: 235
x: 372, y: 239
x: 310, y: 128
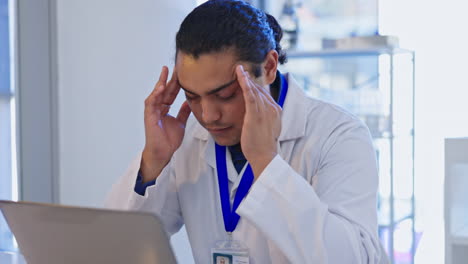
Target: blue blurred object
x: 4, y: 49
x: 6, y: 238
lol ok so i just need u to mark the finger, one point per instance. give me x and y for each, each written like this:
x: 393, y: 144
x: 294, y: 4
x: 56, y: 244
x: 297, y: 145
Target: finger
x: 261, y: 90
x: 155, y: 97
x: 153, y: 101
x: 164, y: 108
x: 249, y: 95
x: 270, y: 105
x: 160, y: 84
x: 184, y: 113
x: 163, y: 76
x: 266, y: 92
x: 172, y: 89
x: 152, y: 115
x: 260, y: 98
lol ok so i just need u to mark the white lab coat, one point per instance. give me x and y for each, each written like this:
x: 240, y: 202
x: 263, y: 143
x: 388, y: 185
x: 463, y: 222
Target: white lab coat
x: 314, y: 203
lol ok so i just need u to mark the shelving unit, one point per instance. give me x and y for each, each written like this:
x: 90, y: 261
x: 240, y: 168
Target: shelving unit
x: 456, y: 200
x: 348, y: 52
x: 376, y: 85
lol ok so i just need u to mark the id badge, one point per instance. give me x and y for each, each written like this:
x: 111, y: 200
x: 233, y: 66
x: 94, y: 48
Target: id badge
x: 229, y: 252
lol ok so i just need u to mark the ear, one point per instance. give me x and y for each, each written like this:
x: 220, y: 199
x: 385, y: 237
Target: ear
x: 270, y: 66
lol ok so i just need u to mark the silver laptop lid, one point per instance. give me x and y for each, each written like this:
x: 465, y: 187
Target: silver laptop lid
x: 52, y: 234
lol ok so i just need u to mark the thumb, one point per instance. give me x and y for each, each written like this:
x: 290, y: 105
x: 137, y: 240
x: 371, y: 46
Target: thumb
x: 184, y: 113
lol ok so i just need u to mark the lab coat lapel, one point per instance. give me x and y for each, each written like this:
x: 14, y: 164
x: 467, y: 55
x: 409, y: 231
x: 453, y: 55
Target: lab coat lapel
x: 294, y: 114
x: 207, y: 149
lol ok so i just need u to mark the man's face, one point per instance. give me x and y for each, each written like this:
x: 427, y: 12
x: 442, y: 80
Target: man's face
x: 213, y: 93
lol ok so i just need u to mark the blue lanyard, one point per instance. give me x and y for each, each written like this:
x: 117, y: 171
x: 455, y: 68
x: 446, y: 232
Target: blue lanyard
x: 231, y: 218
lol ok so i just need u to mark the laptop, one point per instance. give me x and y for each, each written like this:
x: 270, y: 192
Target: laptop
x: 54, y: 234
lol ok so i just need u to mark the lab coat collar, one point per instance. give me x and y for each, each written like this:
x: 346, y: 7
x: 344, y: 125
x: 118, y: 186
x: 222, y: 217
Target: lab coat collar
x: 294, y: 115
x: 293, y: 120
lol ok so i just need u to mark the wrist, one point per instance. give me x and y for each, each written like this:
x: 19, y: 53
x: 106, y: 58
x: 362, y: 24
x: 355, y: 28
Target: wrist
x: 259, y: 163
x: 151, y: 167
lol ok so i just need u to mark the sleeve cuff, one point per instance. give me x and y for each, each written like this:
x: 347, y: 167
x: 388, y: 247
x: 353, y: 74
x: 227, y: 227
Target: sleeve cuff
x: 140, y: 187
x: 259, y: 191
x: 277, y: 181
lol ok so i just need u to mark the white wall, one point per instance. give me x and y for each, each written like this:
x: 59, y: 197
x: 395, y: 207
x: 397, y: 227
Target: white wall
x: 434, y: 29
x: 109, y: 56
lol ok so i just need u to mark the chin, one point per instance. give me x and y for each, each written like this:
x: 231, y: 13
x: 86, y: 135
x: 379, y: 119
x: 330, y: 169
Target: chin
x: 226, y: 141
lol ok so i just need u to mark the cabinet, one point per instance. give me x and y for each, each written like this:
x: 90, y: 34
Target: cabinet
x: 376, y: 85
x: 456, y: 200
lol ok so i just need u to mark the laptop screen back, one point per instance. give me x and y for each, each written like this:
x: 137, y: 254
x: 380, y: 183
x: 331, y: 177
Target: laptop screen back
x: 51, y: 234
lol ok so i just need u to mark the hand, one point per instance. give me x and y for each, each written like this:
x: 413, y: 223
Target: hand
x: 163, y: 132
x: 262, y: 123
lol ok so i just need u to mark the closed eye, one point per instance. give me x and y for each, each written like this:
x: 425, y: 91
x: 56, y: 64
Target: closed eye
x: 227, y: 94
x: 191, y: 97
x: 226, y: 98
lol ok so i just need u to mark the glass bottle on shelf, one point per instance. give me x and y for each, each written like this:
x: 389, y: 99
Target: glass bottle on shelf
x: 290, y: 24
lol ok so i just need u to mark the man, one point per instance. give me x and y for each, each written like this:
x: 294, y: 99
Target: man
x: 263, y: 173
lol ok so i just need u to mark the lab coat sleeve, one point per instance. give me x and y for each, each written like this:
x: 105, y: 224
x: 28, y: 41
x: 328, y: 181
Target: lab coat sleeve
x: 332, y: 219
x: 160, y: 199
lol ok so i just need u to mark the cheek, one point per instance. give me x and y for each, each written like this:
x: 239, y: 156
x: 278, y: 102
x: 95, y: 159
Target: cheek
x: 196, y: 109
x: 235, y: 111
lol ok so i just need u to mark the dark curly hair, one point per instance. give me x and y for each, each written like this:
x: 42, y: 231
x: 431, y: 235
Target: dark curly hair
x: 219, y: 25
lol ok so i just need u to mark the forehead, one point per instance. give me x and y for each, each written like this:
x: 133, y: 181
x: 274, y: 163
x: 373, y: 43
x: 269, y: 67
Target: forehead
x: 206, y: 72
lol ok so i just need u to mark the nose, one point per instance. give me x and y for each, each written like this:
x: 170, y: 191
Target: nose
x: 210, y: 112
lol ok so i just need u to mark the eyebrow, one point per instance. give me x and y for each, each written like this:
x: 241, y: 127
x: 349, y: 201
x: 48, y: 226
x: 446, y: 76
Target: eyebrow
x: 212, y: 91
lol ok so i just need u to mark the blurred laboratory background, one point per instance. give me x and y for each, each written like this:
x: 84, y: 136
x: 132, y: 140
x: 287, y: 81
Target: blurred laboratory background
x: 74, y: 75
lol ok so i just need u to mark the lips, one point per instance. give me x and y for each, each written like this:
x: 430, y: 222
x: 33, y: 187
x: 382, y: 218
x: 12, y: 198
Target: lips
x: 218, y: 130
